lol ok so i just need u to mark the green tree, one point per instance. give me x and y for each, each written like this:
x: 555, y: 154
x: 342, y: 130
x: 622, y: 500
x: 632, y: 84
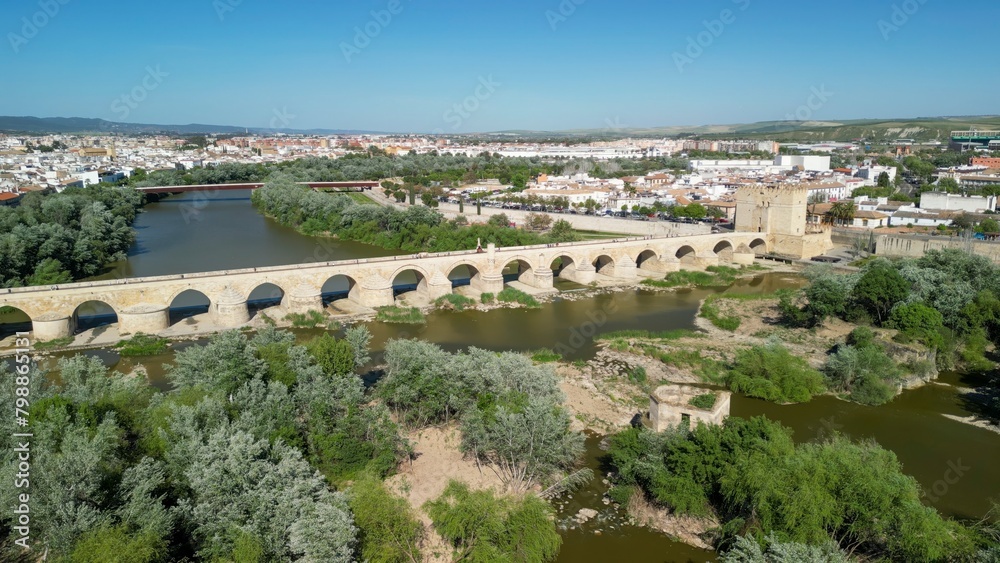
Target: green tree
x: 919, y: 321
x: 484, y: 528
x: 389, y: 532
x: 879, y: 289
x: 772, y: 373
x: 988, y: 225
x: 335, y: 357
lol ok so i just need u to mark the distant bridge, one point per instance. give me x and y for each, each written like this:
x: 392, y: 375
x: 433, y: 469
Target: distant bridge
x: 143, y: 304
x: 354, y: 186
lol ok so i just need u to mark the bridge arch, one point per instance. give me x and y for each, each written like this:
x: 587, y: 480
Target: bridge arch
x: 604, y: 265
x: 563, y: 265
x: 724, y: 250
x: 464, y: 273
x: 687, y: 255
x: 516, y: 268
x: 758, y: 246
x: 647, y: 259
x: 186, y: 304
x: 94, y: 314
x: 409, y: 279
x: 339, y: 286
x: 13, y: 320
x: 265, y: 296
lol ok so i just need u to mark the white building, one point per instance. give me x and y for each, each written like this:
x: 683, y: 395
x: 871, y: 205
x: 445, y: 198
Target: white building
x: 957, y: 202
x: 871, y: 173
x: 809, y: 163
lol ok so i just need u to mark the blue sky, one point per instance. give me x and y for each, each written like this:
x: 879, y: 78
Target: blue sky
x: 511, y: 64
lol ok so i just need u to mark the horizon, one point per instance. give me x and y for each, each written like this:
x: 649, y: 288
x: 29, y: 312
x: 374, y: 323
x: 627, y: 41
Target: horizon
x: 393, y: 66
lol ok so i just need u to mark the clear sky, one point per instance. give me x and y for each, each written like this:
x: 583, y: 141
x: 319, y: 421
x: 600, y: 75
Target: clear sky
x: 507, y: 64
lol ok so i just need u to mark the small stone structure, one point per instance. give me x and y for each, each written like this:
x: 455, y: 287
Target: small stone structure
x: 669, y: 405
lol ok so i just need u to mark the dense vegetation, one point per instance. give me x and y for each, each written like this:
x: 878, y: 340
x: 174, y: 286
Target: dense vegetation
x: 759, y: 484
x: 509, y: 408
x: 416, y: 229
x: 54, y: 238
x: 947, y: 302
x: 242, y: 458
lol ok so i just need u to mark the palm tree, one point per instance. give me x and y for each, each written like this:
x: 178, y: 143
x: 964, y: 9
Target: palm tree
x: 842, y: 211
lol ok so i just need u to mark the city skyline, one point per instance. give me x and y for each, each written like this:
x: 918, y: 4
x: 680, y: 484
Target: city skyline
x: 397, y: 66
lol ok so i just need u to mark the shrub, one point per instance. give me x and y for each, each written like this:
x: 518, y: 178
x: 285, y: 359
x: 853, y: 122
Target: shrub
x: 142, y: 345
x: 637, y: 375
x: 454, y: 301
x: 867, y: 374
x: 483, y: 527
x: 770, y: 372
x: 487, y: 298
x: 920, y: 322
x: 545, y: 355
x: 400, y: 315
x: 513, y: 295
x: 879, y: 289
x: 306, y: 320
x: 389, y: 531
x: 710, y: 311
x: 704, y: 401
x: 861, y: 337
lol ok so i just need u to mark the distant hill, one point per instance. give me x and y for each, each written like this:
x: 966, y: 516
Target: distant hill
x: 919, y: 129
x: 39, y: 125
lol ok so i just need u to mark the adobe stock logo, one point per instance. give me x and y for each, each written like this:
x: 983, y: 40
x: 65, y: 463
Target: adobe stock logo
x: 124, y: 104
x: 31, y: 26
x: 816, y: 100
x: 364, y: 35
x: 901, y: 14
x: 696, y: 44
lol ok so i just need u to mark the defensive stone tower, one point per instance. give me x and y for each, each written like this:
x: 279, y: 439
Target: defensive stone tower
x: 779, y: 212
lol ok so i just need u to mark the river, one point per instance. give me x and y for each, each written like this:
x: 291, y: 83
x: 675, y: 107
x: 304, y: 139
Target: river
x: 230, y: 234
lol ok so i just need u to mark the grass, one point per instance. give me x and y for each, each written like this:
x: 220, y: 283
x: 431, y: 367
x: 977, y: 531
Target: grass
x: 710, y: 311
x: 545, y: 355
x: 400, y: 315
x: 704, y: 401
x: 306, y: 320
x: 54, y: 343
x: 360, y: 198
x: 511, y: 295
x: 142, y: 345
x: 454, y: 301
x: 711, y: 277
x: 637, y: 375
x: 709, y: 369
x: 487, y: 298
x: 650, y: 335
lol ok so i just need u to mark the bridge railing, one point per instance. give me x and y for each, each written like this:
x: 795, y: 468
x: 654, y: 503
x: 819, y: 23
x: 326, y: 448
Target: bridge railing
x: 334, y: 263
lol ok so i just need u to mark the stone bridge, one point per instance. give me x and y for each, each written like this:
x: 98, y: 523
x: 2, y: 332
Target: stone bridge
x: 143, y: 304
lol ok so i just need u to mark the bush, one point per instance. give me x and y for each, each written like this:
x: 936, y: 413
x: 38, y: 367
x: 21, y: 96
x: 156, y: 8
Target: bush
x: 400, y: 315
x: 545, y: 355
x: 306, y: 320
x: 867, y: 374
x: 487, y: 298
x: 454, y: 301
x: 704, y: 401
x: 861, y: 337
x: 389, y: 531
x: 920, y: 322
x: 771, y: 373
x: 483, y: 527
x: 637, y: 375
x: 710, y: 311
x: 682, y: 278
x: 512, y: 295
x: 879, y: 289
x: 142, y: 345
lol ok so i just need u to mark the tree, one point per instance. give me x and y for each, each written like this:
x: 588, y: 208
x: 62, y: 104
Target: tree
x: 335, y: 357
x: 538, y: 221
x: 482, y: 527
x: 879, y: 289
x: 949, y: 185
x: 499, y: 220
x: 771, y: 373
x: 988, y: 225
x: 883, y: 180
x: 842, y: 212
x: 389, y: 532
